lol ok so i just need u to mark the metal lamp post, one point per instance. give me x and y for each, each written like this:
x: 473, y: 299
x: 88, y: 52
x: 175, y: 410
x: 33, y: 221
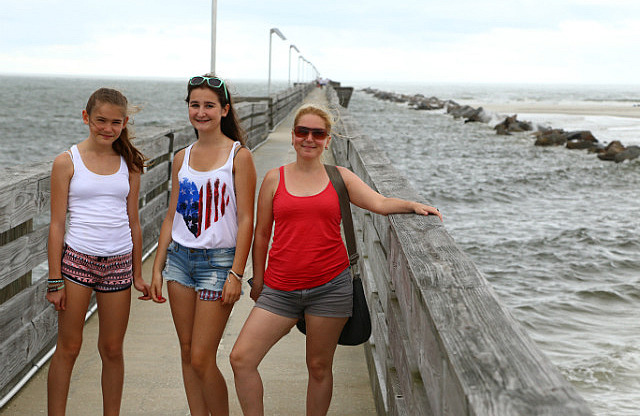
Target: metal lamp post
x: 271, y: 32
x: 291, y: 47
x: 300, y: 58
x: 214, y: 12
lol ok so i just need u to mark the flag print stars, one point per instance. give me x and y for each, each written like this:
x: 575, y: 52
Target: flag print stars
x: 197, y: 205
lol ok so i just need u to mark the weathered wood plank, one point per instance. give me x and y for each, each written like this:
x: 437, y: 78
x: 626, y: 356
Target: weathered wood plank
x: 396, y: 399
x: 377, y: 381
x: 12, y: 355
x: 433, y: 257
x: 157, y: 206
x: 151, y: 231
x: 259, y: 121
x: 154, y: 177
x: 247, y: 110
x: 423, y: 338
x: 18, y: 352
x: 19, y: 203
x: 375, y: 268
x: 21, y: 309
x: 183, y: 137
x: 404, y: 359
x: 154, y: 142
x: 21, y: 255
x: 481, y: 337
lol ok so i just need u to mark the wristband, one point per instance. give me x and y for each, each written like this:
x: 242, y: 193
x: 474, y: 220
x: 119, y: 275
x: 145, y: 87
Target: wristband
x: 237, y: 276
x: 52, y: 289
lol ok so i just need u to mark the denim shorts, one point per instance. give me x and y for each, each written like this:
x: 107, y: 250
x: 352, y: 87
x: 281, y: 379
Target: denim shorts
x: 205, y: 270
x: 333, y: 299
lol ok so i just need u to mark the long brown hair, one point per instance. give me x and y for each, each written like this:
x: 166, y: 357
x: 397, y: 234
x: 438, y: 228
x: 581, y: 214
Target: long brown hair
x: 229, y: 124
x: 133, y: 157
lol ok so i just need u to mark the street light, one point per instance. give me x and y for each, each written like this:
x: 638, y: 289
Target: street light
x: 291, y: 47
x: 271, y: 32
x: 300, y: 58
x: 214, y: 9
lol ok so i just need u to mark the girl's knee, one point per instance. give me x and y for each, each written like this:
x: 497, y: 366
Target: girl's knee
x: 110, y: 350
x: 68, y: 350
x: 241, y: 361
x: 319, y: 369
x: 236, y: 360
x: 202, y: 361
x: 185, y: 353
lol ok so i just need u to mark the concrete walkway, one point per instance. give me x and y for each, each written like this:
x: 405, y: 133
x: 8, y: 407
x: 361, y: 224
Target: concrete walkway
x: 153, y: 380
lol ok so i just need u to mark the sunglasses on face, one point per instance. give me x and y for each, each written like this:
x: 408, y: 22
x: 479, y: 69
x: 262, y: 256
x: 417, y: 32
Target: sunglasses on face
x: 213, y: 82
x: 303, y: 133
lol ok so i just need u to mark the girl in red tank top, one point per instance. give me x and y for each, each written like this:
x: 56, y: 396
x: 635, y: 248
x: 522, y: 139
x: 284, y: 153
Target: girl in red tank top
x: 305, y: 275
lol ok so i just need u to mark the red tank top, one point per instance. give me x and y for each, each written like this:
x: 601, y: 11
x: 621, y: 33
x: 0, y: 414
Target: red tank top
x: 307, y: 249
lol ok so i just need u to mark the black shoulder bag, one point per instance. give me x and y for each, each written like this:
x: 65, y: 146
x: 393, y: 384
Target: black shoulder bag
x: 357, y: 330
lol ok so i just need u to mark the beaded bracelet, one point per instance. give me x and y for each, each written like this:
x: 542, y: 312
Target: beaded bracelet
x: 52, y: 289
x: 55, y: 281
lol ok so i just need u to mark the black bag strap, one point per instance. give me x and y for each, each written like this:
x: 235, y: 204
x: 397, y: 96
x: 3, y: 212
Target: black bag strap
x: 345, y: 209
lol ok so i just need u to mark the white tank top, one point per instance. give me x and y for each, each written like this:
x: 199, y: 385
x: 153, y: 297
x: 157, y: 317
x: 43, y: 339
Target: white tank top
x: 207, y: 213
x: 97, y: 204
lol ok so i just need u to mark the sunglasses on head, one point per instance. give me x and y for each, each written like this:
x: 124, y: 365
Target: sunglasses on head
x: 213, y: 82
x: 303, y: 132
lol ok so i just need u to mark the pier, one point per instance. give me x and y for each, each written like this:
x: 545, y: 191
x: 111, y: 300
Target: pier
x: 442, y: 343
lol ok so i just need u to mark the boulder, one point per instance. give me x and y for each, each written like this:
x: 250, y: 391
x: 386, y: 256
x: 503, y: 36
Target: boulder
x: 512, y: 124
x: 478, y: 115
x: 582, y: 139
x: 422, y: 103
x: 581, y: 135
x: 550, y: 137
x: 612, y: 149
x: 630, y: 153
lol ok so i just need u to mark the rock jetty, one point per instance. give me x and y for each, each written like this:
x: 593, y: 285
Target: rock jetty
x: 544, y: 136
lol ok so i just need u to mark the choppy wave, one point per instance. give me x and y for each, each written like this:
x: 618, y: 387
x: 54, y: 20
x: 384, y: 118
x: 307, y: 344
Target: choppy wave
x: 556, y: 232
x: 41, y: 116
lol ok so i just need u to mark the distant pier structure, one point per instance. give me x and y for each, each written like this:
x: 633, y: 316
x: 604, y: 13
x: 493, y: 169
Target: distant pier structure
x: 442, y: 342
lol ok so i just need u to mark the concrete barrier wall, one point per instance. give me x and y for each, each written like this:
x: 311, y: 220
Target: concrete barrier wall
x: 442, y: 342
x: 28, y: 323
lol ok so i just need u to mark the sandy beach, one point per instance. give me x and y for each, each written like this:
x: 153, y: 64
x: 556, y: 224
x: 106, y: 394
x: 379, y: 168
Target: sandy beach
x: 580, y: 109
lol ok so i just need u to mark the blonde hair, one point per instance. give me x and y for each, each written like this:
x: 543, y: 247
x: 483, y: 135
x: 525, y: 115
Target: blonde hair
x: 317, y: 111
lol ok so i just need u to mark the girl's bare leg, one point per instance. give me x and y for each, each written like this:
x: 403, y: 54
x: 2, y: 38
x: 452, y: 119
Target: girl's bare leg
x: 208, y: 327
x: 70, y: 326
x: 260, y: 332
x: 113, y: 314
x: 322, y: 340
x: 183, y: 308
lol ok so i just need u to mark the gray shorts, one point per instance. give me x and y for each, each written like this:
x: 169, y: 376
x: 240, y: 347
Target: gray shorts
x: 333, y: 299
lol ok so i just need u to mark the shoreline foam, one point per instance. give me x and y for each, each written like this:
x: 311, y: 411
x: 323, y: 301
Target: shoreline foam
x: 607, y: 122
x: 586, y: 109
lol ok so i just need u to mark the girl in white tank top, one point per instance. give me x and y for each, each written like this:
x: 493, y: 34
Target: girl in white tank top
x: 205, y: 238
x: 101, y: 249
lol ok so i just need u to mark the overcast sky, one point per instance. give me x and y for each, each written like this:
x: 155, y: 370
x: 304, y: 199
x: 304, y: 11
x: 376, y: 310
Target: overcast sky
x: 522, y: 41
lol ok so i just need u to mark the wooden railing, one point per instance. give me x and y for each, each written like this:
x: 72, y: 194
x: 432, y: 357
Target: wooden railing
x: 442, y: 342
x: 28, y: 323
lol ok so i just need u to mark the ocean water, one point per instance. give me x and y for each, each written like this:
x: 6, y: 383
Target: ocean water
x: 556, y: 232
x: 41, y: 117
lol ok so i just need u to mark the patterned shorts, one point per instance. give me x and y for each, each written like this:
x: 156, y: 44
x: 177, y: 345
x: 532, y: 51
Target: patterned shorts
x: 102, y: 274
